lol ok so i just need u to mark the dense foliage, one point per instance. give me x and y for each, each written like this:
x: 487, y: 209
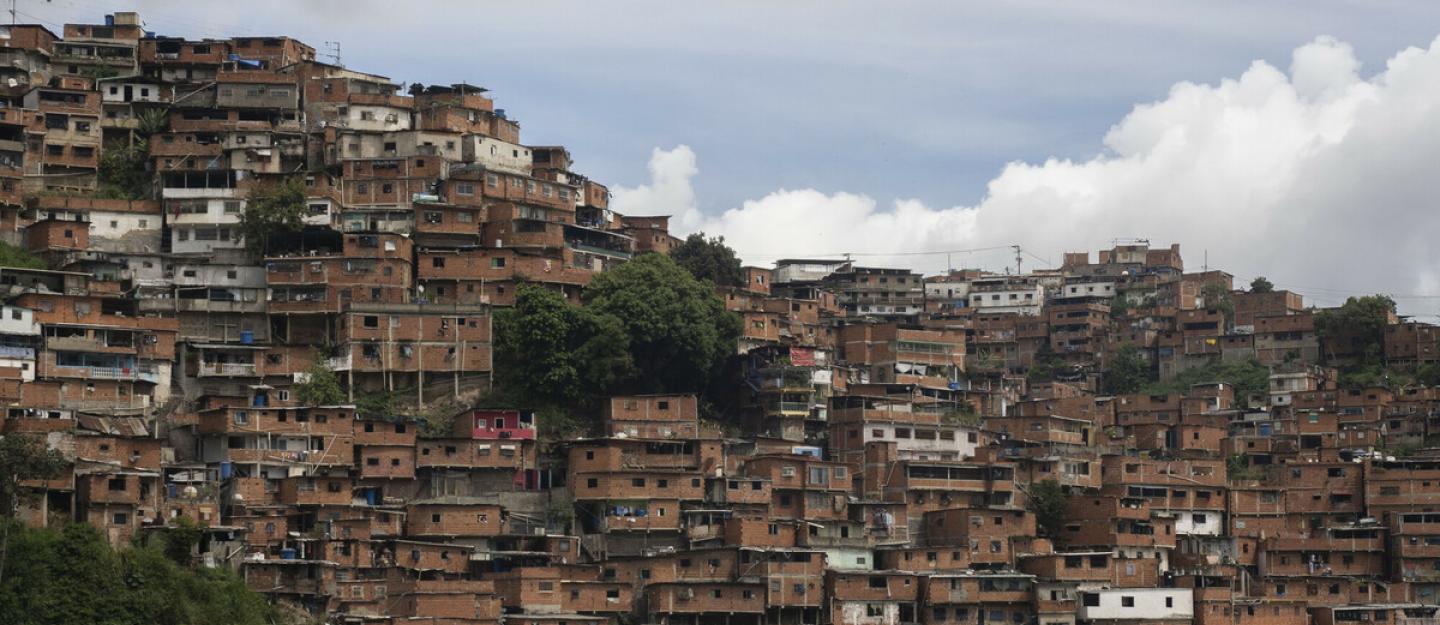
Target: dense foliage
x: 709, y: 259
x: 1353, y: 338
x: 1129, y: 371
x: 1047, y: 500
x: 550, y: 352
x: 646, y: 327
x: 122, y: 172
x: 679, y: 333
x: 321, y: 386
x: 11, y: 256
x: 1261, y: 285
x: 24, y: 457
x: 1248, y: 377
x: 72, y: 576
x: 272, y: 211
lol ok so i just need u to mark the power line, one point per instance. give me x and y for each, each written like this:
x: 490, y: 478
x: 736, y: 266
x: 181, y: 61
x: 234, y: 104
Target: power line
x: 843, y: 254
x: 1349, y: 292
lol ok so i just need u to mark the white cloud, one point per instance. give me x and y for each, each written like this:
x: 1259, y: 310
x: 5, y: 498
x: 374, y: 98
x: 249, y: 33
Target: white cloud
x: 669, y: 191
x: 1320, y: 179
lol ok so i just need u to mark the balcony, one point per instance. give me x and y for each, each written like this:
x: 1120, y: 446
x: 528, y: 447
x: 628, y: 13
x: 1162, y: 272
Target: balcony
x: 129, y: 374
x: 787, y: 409
x: 209, y: 369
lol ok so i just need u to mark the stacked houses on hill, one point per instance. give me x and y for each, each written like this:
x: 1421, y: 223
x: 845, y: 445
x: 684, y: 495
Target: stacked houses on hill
x: 907, y: 449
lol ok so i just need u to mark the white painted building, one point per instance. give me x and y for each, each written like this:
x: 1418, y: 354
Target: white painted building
x: 922, y: 442
x: 130, y: 90
x: 200, y: 224
x: 1201, y: 523
x: 1137, y: 604
x: 17, y: 320
x: 375, y: 118
x: 849, y: 558
x: 949, y: 293
x: 1105, y: 290
x: 497, y: 155
x: 791, y: 270
x: 1007, y: 295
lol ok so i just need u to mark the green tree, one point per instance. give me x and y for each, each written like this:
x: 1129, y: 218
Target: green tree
x: 11, y: 256
x: 549, y: 352
x: 73, y: 576
x: 180, y: 540
x: 709, y: 259
x: 680, y: 334
x: 1237, y: 468
x: 152, y: 122
x: 1355, y: 330
x: 1261, y: 285
x: 1428, y: 374
x: 24, y: 457
x: 321, y: 386
x: 273, y: 210
x: 123, y: 172
x: 1047, y: 501
x: 1119, y: 306
x: 1248, y: 377
x: 1129, y: 371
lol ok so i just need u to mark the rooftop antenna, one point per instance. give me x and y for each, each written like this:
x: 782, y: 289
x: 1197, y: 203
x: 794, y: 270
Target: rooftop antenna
x: 1017, y: 258
x: 333, y: 51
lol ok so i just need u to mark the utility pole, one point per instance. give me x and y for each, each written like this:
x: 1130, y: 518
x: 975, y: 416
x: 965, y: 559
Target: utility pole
x: 1017, y: 258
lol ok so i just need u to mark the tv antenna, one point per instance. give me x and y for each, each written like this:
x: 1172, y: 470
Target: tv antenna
x: 333, y: 51
x: 14, y: 11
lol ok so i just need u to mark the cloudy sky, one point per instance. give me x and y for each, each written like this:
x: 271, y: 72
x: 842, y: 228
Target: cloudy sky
x: 1298, y: 140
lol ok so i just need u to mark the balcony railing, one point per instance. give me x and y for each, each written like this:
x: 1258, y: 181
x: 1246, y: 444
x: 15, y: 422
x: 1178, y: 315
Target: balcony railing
x: 227, y: 369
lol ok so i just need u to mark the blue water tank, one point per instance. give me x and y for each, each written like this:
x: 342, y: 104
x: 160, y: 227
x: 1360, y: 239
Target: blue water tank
x: 287, y: 554
x: 247, y: 337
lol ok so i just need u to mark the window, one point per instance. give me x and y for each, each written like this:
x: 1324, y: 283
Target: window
x: 1090, y: 600
x: 1127, y: 601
